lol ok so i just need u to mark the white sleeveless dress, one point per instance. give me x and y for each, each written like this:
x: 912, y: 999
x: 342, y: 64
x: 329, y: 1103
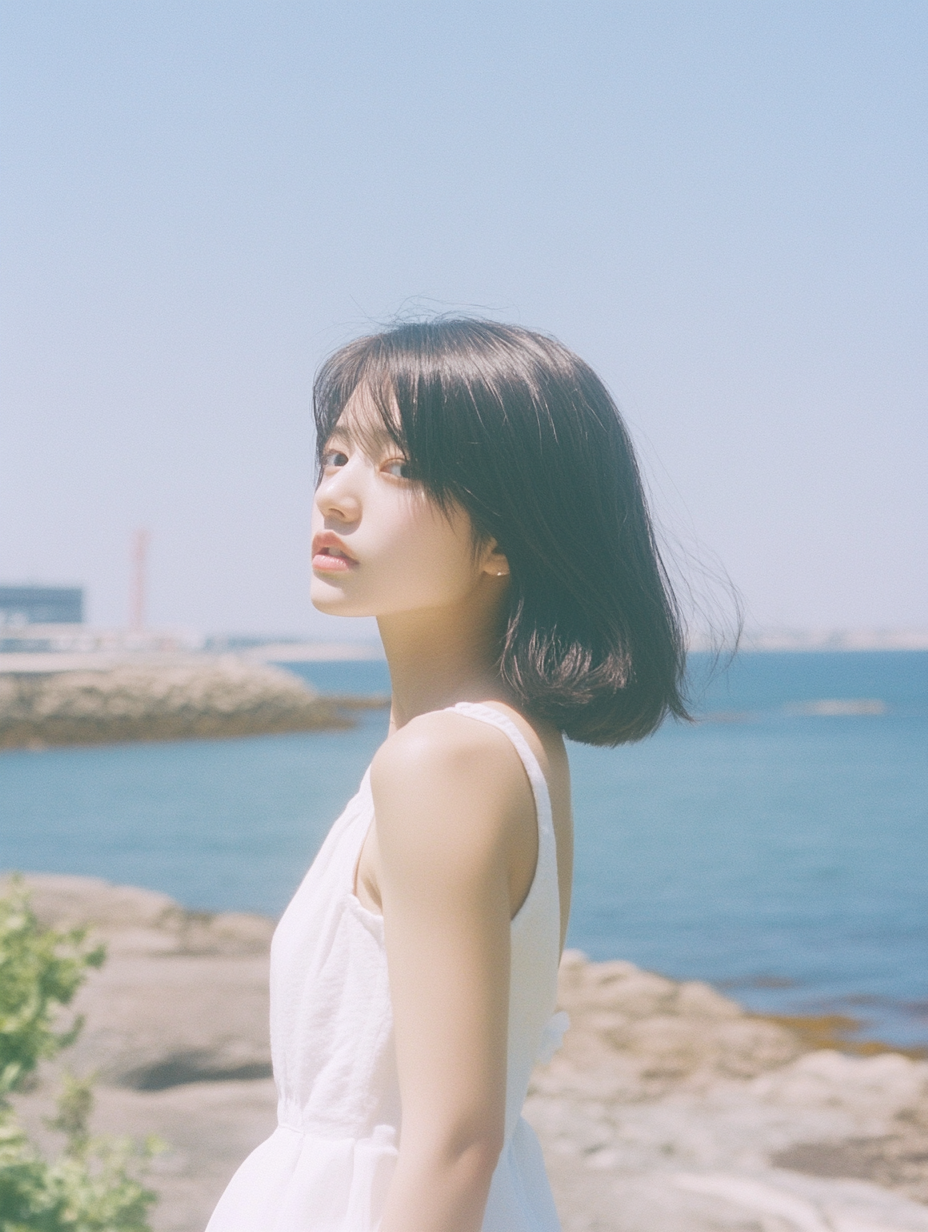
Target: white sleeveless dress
x: 327, y: 1166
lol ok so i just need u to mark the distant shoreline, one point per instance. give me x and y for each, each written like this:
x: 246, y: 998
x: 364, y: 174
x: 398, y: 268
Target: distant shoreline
x: 849, y: 640
x: 106, y: 696
x: 88, y: 652
x: 759, y: 641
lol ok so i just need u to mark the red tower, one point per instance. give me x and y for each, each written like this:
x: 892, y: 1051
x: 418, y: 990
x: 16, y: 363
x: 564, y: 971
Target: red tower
x: 139, y: 564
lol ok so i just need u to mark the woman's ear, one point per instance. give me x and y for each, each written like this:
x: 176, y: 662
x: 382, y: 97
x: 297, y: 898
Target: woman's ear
x: 494, y: 562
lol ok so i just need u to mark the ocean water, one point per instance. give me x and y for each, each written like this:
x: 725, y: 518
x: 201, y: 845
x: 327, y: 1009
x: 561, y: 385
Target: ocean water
x: 777, y: 847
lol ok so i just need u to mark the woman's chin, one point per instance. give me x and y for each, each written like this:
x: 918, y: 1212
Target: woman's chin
x: 333, y: 601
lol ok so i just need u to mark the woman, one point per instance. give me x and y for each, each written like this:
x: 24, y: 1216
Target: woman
x: 479, y: 495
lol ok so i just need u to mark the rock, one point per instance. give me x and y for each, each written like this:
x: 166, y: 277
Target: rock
x: 896, y: 1160
x: 868, y: 1089
x: 165, y: 699
x: 63, y: 902
x: 134, y: 921
x: 668, y: 1108
x: 643, y: 1035
x: 182, y: 997
x: 698, y: 1000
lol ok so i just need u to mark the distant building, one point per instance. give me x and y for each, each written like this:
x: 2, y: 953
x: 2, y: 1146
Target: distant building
x: 58, y: 638
x: 41, y: 605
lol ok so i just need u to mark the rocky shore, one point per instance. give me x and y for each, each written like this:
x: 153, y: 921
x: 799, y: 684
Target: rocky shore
x: 163, y: 698
x: 668, y: 1108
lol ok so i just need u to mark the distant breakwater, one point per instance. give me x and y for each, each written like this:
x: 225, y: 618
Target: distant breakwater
x: 163, y: 698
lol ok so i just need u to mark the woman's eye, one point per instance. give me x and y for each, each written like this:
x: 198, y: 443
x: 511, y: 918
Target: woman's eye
x: 398, y: 467
x: 334, y: 457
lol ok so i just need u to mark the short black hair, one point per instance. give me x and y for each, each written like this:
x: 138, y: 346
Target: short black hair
x: 522, y: 434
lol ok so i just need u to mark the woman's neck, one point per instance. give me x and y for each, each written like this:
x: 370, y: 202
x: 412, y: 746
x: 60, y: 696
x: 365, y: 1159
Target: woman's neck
x: 440, y: 657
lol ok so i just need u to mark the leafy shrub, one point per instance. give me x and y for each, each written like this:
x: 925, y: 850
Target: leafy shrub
x: 40, y: 970
x: 94, y: 1185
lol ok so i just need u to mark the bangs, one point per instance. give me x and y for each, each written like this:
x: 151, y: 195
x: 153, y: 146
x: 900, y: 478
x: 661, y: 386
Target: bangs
x: 408, y: 397
x: 357, y: 372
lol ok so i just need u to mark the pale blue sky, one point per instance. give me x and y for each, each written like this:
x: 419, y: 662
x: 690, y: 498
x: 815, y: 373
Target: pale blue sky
x: 721, y: 205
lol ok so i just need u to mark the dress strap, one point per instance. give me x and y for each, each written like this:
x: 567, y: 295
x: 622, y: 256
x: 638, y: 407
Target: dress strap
x: 487, y: 714
x: 545, y: 881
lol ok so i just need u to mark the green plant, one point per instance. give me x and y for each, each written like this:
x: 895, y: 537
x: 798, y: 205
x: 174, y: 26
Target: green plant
x: 40, y: 971
x: 94, y: 1185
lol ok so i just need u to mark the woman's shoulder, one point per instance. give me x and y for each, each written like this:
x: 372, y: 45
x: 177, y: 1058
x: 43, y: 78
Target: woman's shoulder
x: 444, y: 744
x: 445, y: 773
x: 455, y: 802
x: 451, y: 801
x: 454, y: 742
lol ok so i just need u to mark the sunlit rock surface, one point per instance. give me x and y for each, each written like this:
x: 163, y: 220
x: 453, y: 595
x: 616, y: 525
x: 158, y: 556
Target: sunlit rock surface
x: 160, y: 699
x: 668, y: 1108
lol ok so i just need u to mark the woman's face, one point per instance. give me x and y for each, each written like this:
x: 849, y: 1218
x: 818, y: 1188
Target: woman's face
x: 380, y: 544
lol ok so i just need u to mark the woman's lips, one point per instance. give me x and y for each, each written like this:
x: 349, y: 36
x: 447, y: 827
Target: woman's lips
x: 327, y: 561
x: 329, y: 556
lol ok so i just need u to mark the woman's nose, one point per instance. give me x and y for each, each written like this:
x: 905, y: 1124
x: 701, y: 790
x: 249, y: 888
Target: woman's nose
x: 337, y: 497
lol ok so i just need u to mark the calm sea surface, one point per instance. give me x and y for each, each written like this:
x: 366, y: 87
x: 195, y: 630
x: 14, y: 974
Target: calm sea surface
x: 778, y: 847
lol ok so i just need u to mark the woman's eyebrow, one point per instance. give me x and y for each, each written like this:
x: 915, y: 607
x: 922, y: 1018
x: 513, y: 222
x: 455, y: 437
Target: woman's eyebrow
x: 364, y: 436
x: 340, y: 434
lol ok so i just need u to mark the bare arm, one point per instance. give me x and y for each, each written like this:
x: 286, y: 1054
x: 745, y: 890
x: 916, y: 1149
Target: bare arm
x: 450, y: 804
